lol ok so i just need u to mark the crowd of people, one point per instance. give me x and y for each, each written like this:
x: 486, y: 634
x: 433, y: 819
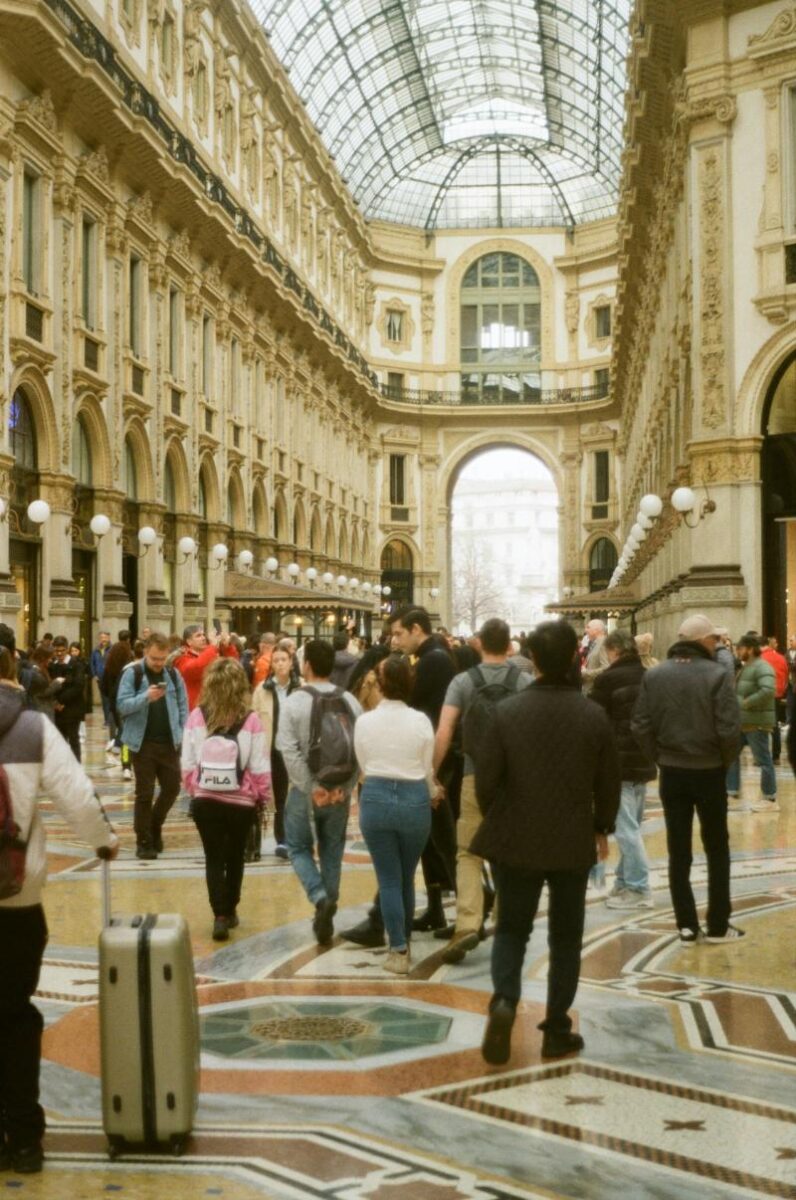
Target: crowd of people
x: 501, y: 766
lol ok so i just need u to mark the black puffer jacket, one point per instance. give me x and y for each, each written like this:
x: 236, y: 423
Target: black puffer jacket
x: 616, y: 690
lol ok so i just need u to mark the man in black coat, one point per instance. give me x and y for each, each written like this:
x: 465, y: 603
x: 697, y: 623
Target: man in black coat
x: 548, y: 781
x: 616, y: 690
x: 70, y: 699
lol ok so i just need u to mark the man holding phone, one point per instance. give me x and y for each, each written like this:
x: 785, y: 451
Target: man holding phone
x: 153, y: 704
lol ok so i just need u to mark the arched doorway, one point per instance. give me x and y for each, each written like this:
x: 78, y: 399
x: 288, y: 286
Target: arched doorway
x: 504, y: 539
x: 131, y: 523
x: 25, y: 541
x: 779, y: 504
x: 84, y: 554
x: 602, y: 561
x: 397, y: 573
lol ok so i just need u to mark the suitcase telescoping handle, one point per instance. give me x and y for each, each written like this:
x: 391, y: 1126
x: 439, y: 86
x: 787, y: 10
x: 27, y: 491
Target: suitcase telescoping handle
x: 105, y: 858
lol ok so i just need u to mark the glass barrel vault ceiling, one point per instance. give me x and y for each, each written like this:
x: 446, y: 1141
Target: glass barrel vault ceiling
x: 463, y: 113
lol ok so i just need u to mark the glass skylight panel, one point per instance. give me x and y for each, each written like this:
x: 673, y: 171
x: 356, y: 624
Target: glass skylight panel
x: 415, y: 96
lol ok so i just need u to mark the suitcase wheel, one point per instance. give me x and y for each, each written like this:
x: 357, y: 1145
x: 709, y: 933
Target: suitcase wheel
x: 115, y: 1146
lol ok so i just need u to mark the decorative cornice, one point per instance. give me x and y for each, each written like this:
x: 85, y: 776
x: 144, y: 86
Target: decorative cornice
x: 95, y: 47
x: 779, y: 38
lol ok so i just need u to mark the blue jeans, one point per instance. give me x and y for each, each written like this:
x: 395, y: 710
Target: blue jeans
x: 329, y: 825
x: 758, y: 743
x: 395, y: 819
x: 632, y: 871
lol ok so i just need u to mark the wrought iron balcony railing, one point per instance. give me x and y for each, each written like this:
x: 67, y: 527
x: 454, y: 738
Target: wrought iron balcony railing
x: 497, y: 396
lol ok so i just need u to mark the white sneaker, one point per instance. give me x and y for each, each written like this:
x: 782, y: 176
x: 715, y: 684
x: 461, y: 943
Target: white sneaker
x: 630, y: 899
x: 690, y: 937
x: 765, y: 805
x: 397, y: 963
x: 109, y: 745
x: 127, y: 773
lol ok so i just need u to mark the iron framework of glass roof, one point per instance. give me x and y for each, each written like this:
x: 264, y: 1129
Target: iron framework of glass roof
x: 463, y: 113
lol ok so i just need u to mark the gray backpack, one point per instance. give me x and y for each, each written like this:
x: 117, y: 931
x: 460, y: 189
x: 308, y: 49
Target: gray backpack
x: 331, y: 757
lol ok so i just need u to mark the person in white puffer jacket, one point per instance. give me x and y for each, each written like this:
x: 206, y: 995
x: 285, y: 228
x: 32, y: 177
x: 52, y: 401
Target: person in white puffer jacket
x: 35, y: 761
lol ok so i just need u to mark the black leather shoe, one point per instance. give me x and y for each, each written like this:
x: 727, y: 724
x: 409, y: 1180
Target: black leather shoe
x: 496, y: 1046
x: 557, y: 1043
x: 146, y: 851
x: 446, y: 933
x: 28, y: 1160
x: 365, y: 934
x: 323, y: 921
x: 156, y: 838
x: 429, y: 920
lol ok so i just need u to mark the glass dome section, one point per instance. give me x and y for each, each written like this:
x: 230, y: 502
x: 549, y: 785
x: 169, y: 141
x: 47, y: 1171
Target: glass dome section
x: 452, y: 113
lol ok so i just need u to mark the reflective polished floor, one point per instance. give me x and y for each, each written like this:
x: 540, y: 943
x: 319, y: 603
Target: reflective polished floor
x: 322, y: 1076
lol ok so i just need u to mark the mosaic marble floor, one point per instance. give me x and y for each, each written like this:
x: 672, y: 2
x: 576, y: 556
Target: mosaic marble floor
x: 324, y: 1077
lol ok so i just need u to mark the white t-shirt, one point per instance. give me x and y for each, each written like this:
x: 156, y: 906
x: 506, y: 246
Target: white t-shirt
x: 395, y: 742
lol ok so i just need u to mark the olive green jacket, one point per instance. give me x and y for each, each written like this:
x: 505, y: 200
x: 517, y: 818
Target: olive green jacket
x: 756, y: 688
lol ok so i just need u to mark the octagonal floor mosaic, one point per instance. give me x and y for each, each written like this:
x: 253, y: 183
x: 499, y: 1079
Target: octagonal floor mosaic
x: 307, y: 1030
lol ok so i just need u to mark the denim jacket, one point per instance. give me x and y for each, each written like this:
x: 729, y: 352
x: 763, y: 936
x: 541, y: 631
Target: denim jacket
x: 133, y: 706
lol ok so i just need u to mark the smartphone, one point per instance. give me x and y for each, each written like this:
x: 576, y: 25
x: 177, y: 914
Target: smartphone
x: 216, y: 624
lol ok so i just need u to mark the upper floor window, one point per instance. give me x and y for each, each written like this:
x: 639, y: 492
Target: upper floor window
x: 602, y: 561
x: 501, y: 329
x: 602, y: 321
x: 397, y: 479
x: 81, y: 454
x: 31, y: 231
x: 395, y: 325
x: 135, y: 299
x: 88, y: 293
x: 602, y: 485
x: 207, y: 354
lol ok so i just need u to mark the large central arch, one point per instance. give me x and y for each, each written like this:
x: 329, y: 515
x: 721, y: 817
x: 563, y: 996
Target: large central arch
x: 492, y: 557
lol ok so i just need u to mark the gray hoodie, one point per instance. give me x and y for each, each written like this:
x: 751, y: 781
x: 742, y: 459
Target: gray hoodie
x: 686, y: 714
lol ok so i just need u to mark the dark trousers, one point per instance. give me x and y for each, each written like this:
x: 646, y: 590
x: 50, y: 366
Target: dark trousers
x: 23, y: 936
x: 279, y: 786
x: 155, y: 762
x: 439, y: 855
x: 518, y: 893
x: 684, y: 792
x: 223, y: 829
x: 69, y: 728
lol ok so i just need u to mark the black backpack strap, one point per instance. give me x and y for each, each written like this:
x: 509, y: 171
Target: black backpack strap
x: 138, y: 674
x: 478, y: 677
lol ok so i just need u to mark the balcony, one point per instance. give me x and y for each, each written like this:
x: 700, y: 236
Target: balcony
x: 498, y: 396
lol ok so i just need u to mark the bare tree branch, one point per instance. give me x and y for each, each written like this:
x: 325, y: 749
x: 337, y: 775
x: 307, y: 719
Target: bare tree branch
x: 476, y: 594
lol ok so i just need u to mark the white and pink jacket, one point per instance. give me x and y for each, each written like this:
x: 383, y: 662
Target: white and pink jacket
x: 255, y: 787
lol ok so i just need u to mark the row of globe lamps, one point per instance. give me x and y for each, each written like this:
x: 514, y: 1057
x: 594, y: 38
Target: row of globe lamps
x: 683, y: 501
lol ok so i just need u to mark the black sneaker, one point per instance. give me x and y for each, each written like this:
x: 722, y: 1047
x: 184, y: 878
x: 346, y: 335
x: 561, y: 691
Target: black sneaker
x: 496, y: 1046
x: 558, y: 1042
x: 366, y: 934
x: 146, y: 851
x: 282, y: 852
x: 157, y: 840
x: 220, y: 929
x: 28, y: 1160
x: 731, y: 935
x: 233, y: 921
x: 323, y: 921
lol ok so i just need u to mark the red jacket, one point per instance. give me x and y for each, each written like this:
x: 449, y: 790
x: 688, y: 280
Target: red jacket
x: 780, y: 665
x: 192, y: 666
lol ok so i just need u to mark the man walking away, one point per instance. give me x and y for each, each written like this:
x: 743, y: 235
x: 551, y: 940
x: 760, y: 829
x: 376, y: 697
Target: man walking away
x: 548, y: 780
x: 470, y: 697
x: 96, y: 671
x: 315, y: 812
x: 595, y: 658
x: 153, y: 704
x: 686, y: 719
x: 756, y: 687
x: 344, y: 660
x: 616, y: 689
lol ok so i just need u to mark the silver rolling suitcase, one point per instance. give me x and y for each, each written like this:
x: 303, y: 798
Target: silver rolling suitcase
x: 149, y: 1030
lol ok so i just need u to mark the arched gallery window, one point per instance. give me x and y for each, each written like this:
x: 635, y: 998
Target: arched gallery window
x: 501, y: 330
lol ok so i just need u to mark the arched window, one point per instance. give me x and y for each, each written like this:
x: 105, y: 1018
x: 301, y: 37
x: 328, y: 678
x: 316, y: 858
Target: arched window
x: 602, y: 560
x: 81, y: 454
x: 202, y: 498
x: 129, y: 472
x: 169, y: 487
x: 22, y: 433
x: 501, y: 325
x: 397, y: 573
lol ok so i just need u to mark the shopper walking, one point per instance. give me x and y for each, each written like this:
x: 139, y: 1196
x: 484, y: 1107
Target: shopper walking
x: 755, y: 686
x: 226, y: 771
x: 687, y: 720
x: 394, y: 747
x: 267, y: 701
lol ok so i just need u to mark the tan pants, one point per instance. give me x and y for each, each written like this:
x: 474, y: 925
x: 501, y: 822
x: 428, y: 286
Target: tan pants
x: 469, y: 867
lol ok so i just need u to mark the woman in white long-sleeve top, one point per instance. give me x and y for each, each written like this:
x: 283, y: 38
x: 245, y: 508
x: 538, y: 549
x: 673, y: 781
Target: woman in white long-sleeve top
x: 226, y: 770
x: 35, y: 761
x: 394, y: 746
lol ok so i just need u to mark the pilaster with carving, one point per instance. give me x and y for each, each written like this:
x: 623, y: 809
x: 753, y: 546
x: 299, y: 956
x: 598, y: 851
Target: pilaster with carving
x: 712, y: 317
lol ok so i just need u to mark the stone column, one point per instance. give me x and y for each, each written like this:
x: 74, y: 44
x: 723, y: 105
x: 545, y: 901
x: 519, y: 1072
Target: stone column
x: 154, y: 605
x: 61, y: 606
x: 114, y: 606
x: 570, y: 522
